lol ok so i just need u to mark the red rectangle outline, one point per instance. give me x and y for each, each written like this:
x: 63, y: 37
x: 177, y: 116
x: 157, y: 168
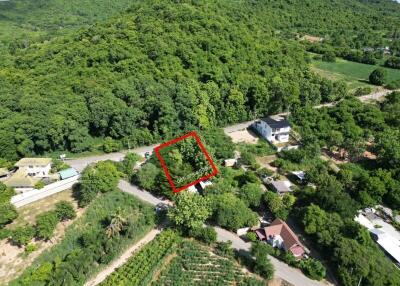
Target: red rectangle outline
x: 164, y: 166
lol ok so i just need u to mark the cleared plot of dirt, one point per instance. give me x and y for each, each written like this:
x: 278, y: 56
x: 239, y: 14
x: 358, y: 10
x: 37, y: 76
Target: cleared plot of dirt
x: 13, y: 259
x: 27, y: 214
x: 244, y: 136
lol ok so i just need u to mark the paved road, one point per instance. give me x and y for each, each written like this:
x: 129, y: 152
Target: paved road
x: 80, y: 163
x: 134, y: 190
x: 282, y: 270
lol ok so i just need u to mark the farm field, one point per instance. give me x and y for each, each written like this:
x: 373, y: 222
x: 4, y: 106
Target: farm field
x: 355, y: 74
x: 172, y: 260
x: 86, y: 248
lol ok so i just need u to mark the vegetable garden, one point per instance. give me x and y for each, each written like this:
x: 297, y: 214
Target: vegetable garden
x: 191, y: 263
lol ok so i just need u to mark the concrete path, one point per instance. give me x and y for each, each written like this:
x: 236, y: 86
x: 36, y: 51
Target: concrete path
x: 134, y: 190
x: 100, y: 277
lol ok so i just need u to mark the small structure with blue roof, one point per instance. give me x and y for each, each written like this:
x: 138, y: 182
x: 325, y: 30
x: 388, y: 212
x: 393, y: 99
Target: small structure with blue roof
x: 68, y: 173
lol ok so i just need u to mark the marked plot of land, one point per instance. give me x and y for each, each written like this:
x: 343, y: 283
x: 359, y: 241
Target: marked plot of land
x: 185, y: 161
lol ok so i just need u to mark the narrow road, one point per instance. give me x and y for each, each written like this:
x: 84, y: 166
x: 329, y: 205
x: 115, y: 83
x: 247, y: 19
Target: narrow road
x: 282, y: 270
x: 100, y: 277
x: 81, y: 163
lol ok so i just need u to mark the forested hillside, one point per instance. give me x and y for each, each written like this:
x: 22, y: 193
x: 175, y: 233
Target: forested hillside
x: 162, y: 67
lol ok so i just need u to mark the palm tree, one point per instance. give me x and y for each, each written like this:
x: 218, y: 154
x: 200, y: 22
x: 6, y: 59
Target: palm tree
x: 117, y: 224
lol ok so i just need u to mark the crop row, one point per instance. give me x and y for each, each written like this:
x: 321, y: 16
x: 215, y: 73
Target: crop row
x: 138, y: 270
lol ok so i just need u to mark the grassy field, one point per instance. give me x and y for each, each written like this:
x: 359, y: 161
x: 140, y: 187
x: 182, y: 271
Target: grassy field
x: 355, y: 74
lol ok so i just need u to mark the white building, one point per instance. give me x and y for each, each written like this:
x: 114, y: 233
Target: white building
x: 275, y: 129
x: 35, y: 167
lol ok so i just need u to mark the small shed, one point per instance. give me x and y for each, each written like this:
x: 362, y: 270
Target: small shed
x: 68, y: 173
x: 229, y: 162
x: 282, y: 187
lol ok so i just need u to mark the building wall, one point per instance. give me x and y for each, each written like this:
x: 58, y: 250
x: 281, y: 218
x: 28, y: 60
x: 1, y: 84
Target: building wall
x: 268, y: 133
x: 38, y: 171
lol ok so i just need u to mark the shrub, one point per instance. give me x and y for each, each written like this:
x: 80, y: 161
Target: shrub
x: 30, y: 248
x: 363, y: 91
x: 313, y: 268
x: 206, y: 234
x: 224, y: 249
x: 111, y: 145
x: 39, y: 185
x: 378, y: 77
x: 22, y: 235
x: 65, y: 211
x: 251, y: 236
x: 329, y: 56
x: 46, y: 224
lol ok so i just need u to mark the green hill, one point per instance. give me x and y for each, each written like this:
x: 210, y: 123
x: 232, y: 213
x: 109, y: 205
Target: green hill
x: 159, y: 68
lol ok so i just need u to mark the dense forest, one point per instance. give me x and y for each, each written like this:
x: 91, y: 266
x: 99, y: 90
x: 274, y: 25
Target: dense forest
x: 162, y: 67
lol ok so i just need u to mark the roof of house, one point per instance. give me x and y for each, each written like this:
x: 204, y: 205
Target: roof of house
x: 276, y: 122
x: 68, y: 173
x: 388, y: 243
x: 281, y: 186
x: 279, y: 227
x: 20, y: 180
x: 24, y: 162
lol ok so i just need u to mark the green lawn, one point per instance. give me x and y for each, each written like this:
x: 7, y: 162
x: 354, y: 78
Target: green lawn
x: 355, y: 74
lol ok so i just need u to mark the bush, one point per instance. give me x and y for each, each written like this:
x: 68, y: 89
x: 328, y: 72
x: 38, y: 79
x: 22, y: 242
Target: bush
x: 46, y: 224
x: 363, y: 91
x: 39, y: 185
x: 65, y: 211
x: 5, y: 233
x: 111, y: 145
x: 224, y: 248
x: 251, y: 236
x: 395, y: 84
x: 378, y: 77
x: 313, y: 268
x: 30, y: 248
x: 23, y: 234
x: 128, y: 163
x: 329, y: 56
x: 207, y: 234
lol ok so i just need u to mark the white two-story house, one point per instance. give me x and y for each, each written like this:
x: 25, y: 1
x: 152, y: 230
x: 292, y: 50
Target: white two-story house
x: 275, y: 129
x: 35, y: 167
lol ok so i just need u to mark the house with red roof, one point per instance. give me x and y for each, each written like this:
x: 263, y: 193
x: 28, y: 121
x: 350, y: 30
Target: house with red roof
x: 278, y: 234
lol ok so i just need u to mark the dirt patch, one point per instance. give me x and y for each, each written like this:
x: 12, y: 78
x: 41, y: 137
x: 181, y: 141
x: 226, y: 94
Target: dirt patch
x: 13, y: 260
x: 244, y: 136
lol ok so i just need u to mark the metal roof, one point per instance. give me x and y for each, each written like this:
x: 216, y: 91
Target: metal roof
x: 276, y: 122
x: 68, y: 173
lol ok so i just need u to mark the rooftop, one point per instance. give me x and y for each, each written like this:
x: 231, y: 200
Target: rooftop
x: 20, y: 180
x: 68, y: 173
x: 279, y: 227
x: 25, y: 162
x: 276, y: 122
x: 282, y: 186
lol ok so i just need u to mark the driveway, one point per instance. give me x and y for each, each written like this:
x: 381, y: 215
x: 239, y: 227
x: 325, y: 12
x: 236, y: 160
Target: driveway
x: 134, y: 190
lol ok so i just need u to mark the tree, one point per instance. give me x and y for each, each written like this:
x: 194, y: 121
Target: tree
x: 111, y: 145
x: 262, y: 265
x: 128, y: 163
x: 313, y: 268
x: 65, y: 211
x: 279, y: 206
x: 8, y: 212
x: 23, y: 235
x: 231, y: 212
x: 251, y: 194
x: 190, y: 211
x: 46, y: 224
x: 103, y: 177
x: 378, y: 77
x: 146, y: 176
x: 117, y: 223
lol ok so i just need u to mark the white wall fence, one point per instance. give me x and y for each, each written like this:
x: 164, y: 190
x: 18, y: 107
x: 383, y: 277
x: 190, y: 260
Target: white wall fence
x: 48, y: 190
